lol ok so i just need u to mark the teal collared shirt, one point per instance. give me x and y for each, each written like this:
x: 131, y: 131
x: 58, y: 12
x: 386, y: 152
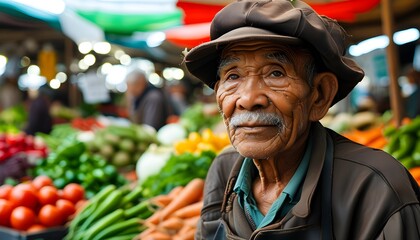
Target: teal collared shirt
x: 287, y: 199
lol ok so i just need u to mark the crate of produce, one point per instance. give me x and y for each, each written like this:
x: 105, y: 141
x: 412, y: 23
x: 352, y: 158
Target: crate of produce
x: 54, y: 233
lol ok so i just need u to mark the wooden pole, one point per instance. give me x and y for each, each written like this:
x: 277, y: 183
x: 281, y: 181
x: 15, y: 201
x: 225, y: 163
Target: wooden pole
x: 392, y: 61
x: 72, y: 88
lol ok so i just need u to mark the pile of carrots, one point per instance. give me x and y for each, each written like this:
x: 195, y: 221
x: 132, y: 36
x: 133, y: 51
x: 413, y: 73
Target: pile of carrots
x: 373, y: 137
x: 178, y: 214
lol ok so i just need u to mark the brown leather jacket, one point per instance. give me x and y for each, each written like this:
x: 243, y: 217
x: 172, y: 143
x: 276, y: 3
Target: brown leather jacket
x: 360, y: 193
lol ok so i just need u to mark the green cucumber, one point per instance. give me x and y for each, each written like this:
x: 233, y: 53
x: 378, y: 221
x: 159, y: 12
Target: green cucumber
x: 132, y: 223
x: 135, y: 194
x: 110, y: 203
x: 138, y: 209
x: 105, y: 222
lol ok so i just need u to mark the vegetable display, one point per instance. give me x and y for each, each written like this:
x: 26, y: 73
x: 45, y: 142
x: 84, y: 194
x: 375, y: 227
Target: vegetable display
x: 178, y: 214
x: 11, y: 144
x: 178, y: 171
x: 17, y: 152
x: 152, y: 161
x: 72, y: 163
x: 204, y: 141
x: 122, y: 145
x: 191, y: 158
x: 373, y: 137
x: 112, y: 212
x: 14, y: 168
x: 404, y: 142
x: 38, y: 204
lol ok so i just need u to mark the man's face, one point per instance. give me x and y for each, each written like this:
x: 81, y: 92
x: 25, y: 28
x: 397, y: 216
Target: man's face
x: 263, y: 98
x: 136, y: 87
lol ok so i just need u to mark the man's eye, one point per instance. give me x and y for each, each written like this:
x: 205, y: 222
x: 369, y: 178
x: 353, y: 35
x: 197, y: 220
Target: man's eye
x: 232, y: 77
x: 277, y: 74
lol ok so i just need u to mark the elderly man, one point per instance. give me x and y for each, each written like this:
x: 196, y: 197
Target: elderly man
x: 277, y: 67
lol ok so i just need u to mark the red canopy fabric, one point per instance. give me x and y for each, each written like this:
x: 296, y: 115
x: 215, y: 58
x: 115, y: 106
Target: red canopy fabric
x: 198, y: 12
x: 344, y: 10
x: 197, y: 17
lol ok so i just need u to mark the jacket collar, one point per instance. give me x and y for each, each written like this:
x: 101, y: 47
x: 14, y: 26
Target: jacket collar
x: 302, y: 208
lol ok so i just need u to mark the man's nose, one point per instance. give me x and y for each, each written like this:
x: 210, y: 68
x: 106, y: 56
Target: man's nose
x: 252, y: 94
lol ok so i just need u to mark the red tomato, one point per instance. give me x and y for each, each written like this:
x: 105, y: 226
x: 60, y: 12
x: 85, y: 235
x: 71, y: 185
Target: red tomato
x: 50, y: 216
x: 22, y: 218
x: 73, y: 192
x: 27, y: 186
x: 41, y: 181
x: 48, y: 195
x: 35, y: 228
x: 22, y: 195
x: 6, y: 209
x: 5, y: 191
x: 66, y: 207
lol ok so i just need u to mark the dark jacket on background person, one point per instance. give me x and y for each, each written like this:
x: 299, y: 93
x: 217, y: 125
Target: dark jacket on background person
x: 39, y: 117
x: 151, y: 108
x: 367, y: 184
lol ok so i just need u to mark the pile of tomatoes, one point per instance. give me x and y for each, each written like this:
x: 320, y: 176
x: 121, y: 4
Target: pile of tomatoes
x: 37, y: 204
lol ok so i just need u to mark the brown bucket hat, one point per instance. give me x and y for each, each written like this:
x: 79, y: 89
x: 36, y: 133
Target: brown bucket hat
x: 282, y: 21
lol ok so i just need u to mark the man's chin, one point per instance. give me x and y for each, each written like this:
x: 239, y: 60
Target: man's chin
x: 254, y: 152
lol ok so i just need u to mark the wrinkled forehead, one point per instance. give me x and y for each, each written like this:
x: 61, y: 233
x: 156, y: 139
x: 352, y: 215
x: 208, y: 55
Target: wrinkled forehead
x: 265, y: 49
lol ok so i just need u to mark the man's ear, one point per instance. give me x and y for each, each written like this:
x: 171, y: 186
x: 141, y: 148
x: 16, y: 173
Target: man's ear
x: 325, y: 86
x: 216, y: 86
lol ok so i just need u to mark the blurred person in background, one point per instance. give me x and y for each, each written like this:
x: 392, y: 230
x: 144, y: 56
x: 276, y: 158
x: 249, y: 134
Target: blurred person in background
x: 146, y: 103
x: 39, y: 116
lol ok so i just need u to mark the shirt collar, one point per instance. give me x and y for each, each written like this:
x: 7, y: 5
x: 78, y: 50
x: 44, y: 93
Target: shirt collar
x: 248, y: 169
x: 244, y: 182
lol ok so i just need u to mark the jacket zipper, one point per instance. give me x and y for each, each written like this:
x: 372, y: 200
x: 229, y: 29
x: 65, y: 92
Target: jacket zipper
x: 250, y: 220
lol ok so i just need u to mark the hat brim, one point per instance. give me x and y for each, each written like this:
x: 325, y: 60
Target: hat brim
x: 202, y: 61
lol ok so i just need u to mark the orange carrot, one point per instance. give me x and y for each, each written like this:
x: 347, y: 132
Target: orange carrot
x: 157, y: 236
x: 145, y: 233
x: 378, y: 143
x: 155, y: 218
x: 161, y: 200
x: 190, y: 210
x: 177, y: 237
x: 175, y: 191
x: 190, y: 194
x: 372, y: 134
x: 172, y: 223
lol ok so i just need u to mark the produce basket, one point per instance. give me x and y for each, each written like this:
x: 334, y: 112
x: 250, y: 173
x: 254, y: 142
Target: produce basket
x: 54, y: 233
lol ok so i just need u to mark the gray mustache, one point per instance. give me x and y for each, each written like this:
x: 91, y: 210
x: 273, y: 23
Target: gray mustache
x: 255, y: 117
